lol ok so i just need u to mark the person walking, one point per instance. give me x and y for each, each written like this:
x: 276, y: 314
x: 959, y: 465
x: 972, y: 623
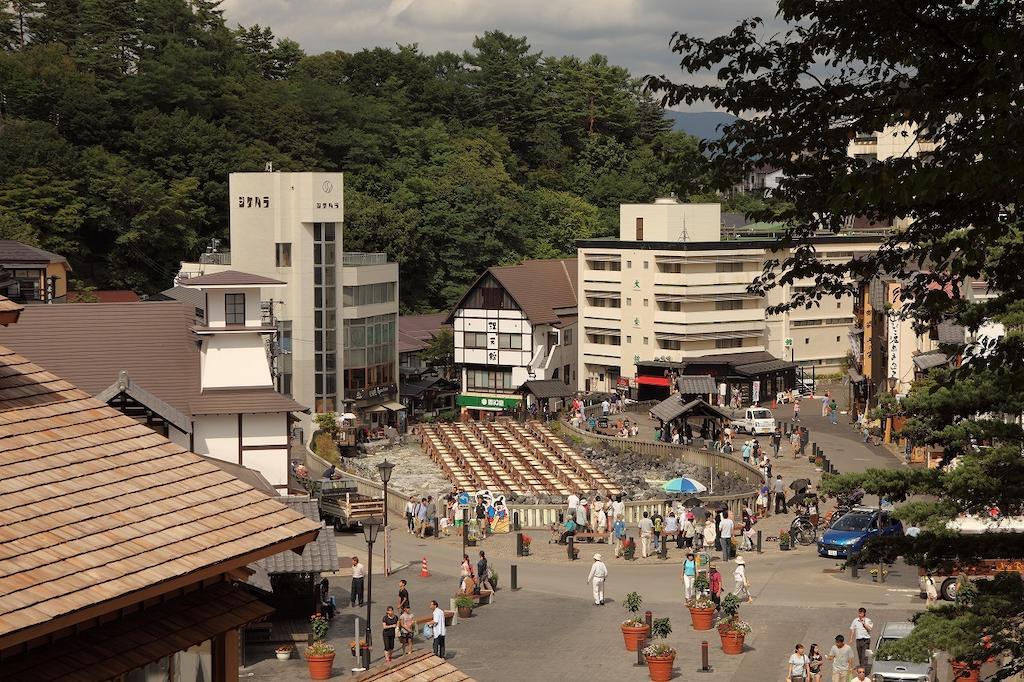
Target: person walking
x: 619, y: 531
x: 597, y: 576
x: 715, y: 586
x: 931, y: 594
x: 689, y: 575
x: 410, y: 514
x: 814, y: 662
x: 794, y: 443
x: 437, y: 629
x: 406, y: 629
x: 358, y: 574
x: 841, y: 654
x: 796, y: 410
x: 741, y: 588
x: 689, y: 531
x: 797, y: 665
x: 325, y: 602
x: 780, y: 496
x: 725, y: 528
x: 659, y: 528
x: 389, y: 631
x: 833, y: 410
x: 762, y: 500
x: 777, y: 440
x: 805, y: 438
x: 421, y: 518
x: 824, y: 403
x: 466, y: 576
x: 573, y: 502
x: 709, y: 534
x: 403, y: 596
x: 646, y: 534
x: 671, y: 530
x: 860, y: 632
x: 483, y: 572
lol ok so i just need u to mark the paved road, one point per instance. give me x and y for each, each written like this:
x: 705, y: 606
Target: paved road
x: 550, y: 629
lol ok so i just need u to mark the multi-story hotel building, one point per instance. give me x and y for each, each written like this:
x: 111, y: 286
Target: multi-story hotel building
x: 337, y: 314
x: 669, y: 290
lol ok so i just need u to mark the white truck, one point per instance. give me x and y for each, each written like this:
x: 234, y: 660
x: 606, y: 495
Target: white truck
x: 755, y: 420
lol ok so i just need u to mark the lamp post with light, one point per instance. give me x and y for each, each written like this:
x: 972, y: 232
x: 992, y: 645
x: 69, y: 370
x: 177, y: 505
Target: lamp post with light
x: 370, y: 529
x: 384, y: 469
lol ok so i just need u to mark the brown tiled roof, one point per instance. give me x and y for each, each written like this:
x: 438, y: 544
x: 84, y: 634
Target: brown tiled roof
x: 423, y: 667
x: 540, y: 286
x: 107, y: 651
x: 230, y: 278
x: 12, y: 252
x: 10, y: 312
x: 92, y: 344
x: 318, y: 557
x: 247, y: 400
x: 416, y: 331
x: 98, y: 511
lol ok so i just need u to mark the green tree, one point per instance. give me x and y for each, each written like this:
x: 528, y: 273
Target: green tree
x: 947, y: 75
x: 440, y: 352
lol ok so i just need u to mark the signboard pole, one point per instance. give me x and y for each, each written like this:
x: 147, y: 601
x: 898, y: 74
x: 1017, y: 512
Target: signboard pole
x: 387, y: 551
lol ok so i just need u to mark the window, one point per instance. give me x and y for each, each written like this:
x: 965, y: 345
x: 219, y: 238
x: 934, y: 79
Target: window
x: 567, y: 337
x: 629, y: 339
x: 645, y: 340
x: 283, y: 255
x: 629, y: 264
x: 728, y: 343
x: 499, y: 380
x: 646, y: 302
x: 670, y: 306
x: 838, y: 339
x: 234, y: 308
x: 565, y: 374
x: 629, y: 301
x: 613, y: 265
x: 640, y: 231
x: 510, y: 341
x: 670, y: 267
x: 729, y: 267
x: 806, y: 341
x: 670, y: 345
x: 728, y: 305
x: 647, y: 264
x: 368, y: 294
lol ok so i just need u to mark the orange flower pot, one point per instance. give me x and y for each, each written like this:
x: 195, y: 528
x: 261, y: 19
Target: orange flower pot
x: 635, y: 636
x: 320, y: 667
x: 732, y: 641
x: 660, y: 667
x: 966, y: 672
x: 702, y: 619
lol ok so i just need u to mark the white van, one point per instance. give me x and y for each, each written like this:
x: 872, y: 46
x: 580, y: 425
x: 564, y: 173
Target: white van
x: 755, y: 420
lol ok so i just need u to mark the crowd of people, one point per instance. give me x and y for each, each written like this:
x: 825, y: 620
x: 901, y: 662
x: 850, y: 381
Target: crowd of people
x: 428, y: 516
x: 849, y: 662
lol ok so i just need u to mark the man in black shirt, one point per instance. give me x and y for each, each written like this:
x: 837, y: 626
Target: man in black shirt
x: 403, y: 596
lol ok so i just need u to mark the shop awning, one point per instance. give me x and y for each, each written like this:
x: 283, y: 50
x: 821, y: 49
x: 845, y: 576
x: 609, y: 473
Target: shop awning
x: 765, y: 367
x: 115, y: 648
x: 674, y: 407
x: 653, y: 381
x: 931, y: 359
x: 547, y: 388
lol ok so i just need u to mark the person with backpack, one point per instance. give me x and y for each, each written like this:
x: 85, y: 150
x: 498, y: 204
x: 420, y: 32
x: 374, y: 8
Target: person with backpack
x: 833, y: 409
x: 798, y: 664
x: 659, y: 527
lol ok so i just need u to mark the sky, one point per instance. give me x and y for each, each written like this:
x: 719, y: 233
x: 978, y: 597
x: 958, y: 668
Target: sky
x: 633, y: 33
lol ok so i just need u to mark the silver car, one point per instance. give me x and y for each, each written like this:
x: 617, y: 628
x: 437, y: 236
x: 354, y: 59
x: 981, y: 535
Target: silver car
x: 893, y: 671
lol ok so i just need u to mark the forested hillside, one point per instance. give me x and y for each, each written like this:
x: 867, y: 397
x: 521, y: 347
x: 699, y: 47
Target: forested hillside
x: 120, y: 121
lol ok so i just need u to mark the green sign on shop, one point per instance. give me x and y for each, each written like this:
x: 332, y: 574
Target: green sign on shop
x: 488, y: 402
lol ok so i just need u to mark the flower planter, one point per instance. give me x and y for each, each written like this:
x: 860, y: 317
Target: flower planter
x: 732, y: 641
x: 702, y: 619
x: 283, y: 655
x: 465, y: 611
x: 320, y: 666
x: 660, y: 667
x: 635, y: 636
x: 784, y: 546
x: 966, y: 672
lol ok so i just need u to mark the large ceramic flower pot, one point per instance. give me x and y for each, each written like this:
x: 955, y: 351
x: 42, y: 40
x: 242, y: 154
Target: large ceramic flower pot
x: 635, y: 636
x: 660, y: 667
x: 702, y: 619
x: 320, y: 666
x: 732, y: 641
x: 465, y: 611
x: 965, y: 672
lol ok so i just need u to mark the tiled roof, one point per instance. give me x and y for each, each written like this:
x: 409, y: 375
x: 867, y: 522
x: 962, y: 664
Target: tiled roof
x: 424, y: 667
x: 107, y: 651
x: 247, y: 400
x: 701, y: 384
x: 95, y: 507
x: 540, y: 286
x: 319, y: 557
x: 229, y: 278
x: 12, y: 252
x: 548, y: 388
x: 416, y: 331
x: 105, y: 296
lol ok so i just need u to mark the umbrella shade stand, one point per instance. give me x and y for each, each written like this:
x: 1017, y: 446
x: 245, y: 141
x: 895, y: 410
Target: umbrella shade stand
x: 684, y: 485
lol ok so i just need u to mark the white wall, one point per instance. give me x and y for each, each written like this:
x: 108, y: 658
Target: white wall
x: 215, y: 315
x: 667, y: 220
x: 234, y: 360
x: 217, y: 436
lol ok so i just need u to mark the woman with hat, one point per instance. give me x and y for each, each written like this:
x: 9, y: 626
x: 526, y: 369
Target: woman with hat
x: 741, y: 588
x: 598, y: 574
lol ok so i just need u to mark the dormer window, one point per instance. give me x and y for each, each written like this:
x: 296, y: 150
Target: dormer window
x: 234, y: 308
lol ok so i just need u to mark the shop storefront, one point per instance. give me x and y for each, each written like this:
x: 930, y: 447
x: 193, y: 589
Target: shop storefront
x: 488, y: 406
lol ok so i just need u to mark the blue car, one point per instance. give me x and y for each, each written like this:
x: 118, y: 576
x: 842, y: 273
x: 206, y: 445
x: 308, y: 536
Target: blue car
x: 853, y: 529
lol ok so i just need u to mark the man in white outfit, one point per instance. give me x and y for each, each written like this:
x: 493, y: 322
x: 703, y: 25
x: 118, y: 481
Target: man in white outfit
x: 598, y: 574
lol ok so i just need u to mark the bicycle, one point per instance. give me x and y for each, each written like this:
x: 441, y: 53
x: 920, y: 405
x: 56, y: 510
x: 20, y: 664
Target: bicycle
x: 803, y: 531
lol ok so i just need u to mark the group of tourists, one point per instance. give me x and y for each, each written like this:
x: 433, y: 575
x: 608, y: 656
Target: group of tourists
x: 487, y: 512
x: 848, y: 662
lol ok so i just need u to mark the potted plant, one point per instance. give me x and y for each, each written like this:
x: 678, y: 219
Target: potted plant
x: 464, y: 605
x: 527, y: 541
x: 628, y: 549
x: 356, y: 647
x: 874, y: 574
x: 284, y: 652
x: 319, y: 654
x: 659, y: 655
x: 494, y: 580
x: 731, y: 628
x: 634, y: 630
x: 702, y: 607
x: 784, y: 540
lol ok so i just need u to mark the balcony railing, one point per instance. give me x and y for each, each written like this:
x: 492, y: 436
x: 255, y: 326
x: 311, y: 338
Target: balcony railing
x: 355, y: 259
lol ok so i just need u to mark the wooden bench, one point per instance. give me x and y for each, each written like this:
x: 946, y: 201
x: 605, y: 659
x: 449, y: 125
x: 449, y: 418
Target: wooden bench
x: 481, y: 599
x: 606, y: 536
x: 448, y: 615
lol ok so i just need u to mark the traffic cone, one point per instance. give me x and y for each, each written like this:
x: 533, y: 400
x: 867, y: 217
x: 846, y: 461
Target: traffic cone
x: 424, y: 573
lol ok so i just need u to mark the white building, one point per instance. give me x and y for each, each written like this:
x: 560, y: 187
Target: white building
x: 338, y: 314
x: 205, y: 384
x: 669, y: 290
x: 516, y: 324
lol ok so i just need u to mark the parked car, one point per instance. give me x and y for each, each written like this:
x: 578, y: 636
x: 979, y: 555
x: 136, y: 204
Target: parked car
x: 755, y: 420
x: 893, y: 670
x: 853, y: 529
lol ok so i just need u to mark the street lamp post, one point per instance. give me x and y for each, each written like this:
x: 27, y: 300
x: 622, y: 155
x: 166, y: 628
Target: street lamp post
x: 370, y: 528
x: 384, y: 469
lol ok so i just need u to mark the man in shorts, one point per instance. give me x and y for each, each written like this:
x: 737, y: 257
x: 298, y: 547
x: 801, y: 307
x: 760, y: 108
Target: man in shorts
x: 406, y: 629
x: 842, y: 656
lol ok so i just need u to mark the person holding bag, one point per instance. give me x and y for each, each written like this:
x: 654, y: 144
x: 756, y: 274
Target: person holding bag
x: 798, y: 664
